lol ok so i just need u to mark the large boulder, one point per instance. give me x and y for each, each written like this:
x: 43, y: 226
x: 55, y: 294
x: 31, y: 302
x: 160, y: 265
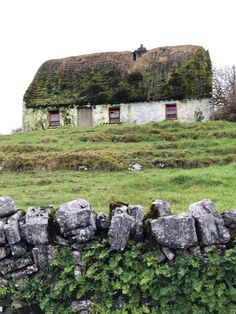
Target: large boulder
x: 176, y: 232
x: 37, y: 225
x: 210, y: 225
x: 7, y: 206
x: 119, y: 231
x: 77, y: 220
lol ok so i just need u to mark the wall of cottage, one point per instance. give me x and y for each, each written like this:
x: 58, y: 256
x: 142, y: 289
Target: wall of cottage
x: 133, y: 113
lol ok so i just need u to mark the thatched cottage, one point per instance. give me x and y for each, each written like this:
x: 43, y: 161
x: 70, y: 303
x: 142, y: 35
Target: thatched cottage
x: 167, y: 83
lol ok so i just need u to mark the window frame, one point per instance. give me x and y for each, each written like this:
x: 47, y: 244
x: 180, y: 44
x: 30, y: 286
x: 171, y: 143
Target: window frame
x: 114, y: 109
x: 50, y: 121
x: 167, y: 106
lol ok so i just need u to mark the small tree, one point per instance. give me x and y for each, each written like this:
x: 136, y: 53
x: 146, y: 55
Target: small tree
x: 224, y: 93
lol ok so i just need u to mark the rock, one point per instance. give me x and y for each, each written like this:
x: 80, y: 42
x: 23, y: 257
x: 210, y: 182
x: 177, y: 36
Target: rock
x: 82, y: 235
x: 12, y: 230
x: 103, y: 222
x: 18, y: 249
x: 202, y: 207
x: 160, y: 165
x: 210, y: 225
x: 81, y: 307
x: 229, y: 217
x: 82, y: 168
x: 61, y: 241
x: 32, y: 269
x: 137, y: 212
x: 43, y: 254
x: 75, y: 214
x: 7, y: 206
x: 122, y: 209
x: 4, y: 252
x: 37, y: 225
x: 19, y: 275
x: 2, y: 233
x: 160, y: 208
x: 135, y: 167
x: 76, y: 257
x: 176, y: 232
x: 168, y: 253
x: 10, y: 265
x: 80, y: 269
x: 118, y: 234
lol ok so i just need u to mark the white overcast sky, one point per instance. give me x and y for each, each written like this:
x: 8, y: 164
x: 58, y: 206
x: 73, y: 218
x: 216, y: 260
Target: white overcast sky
x: 33, y: 31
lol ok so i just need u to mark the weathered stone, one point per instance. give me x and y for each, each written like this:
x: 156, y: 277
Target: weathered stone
x: 81, y: 307
x: 19, y: 275
x: 210, y: 225
x: 137, y: 212
x: 160, y: 208
x: 135, y: 167
x: 75, y: 214
x: 22, y: 228
x: 123, y: 209
x: 121, y: 226
x: 76, y: 257
x: 61, y: 241
x: 202, y: 207
x: 7, y: 206
x: 12, y: 230
x: 10, y: 265
x: 168, y: 253
x: 32, y: 269
x: 37, y: 225
x: 2, y: 233
x: 103, y: 222
x: 80, y: 270
x: 4, y: 251
x: 176, y: 232
x: 43, y: 254
x: 81, y: 235
x: 229, y: 217
x: 18, y: 249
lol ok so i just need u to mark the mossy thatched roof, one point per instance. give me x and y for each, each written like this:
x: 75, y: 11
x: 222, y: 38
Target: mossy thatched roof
x: 112, y: 77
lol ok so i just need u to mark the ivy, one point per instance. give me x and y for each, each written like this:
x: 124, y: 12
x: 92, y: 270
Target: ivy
x: 201, y: 285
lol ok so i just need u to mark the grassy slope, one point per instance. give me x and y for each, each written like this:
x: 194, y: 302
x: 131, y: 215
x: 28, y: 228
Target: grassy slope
x: 187, y: 145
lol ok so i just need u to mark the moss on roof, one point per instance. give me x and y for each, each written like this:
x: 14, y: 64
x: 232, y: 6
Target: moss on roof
x: 112, y: 77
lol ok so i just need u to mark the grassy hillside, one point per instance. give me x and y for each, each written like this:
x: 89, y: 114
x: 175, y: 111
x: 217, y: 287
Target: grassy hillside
x: 41, y: 166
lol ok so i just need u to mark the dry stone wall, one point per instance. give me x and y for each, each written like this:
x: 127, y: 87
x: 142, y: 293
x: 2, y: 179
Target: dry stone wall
x: 29, y: 240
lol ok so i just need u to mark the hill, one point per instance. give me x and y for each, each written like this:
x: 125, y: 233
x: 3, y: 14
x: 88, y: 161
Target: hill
x: 40, y: 167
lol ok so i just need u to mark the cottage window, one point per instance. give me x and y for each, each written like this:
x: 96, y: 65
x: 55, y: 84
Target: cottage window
x: 171, y: 112
x: 114, y: 115
x: 54, y: 118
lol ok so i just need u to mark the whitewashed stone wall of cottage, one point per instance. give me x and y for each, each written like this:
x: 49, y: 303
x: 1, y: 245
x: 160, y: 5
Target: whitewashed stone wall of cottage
x: 133, y: 113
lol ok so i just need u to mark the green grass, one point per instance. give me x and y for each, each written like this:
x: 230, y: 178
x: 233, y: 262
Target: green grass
x: 177, y: 145
x: 180, y: 187
x: 40, y: 166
